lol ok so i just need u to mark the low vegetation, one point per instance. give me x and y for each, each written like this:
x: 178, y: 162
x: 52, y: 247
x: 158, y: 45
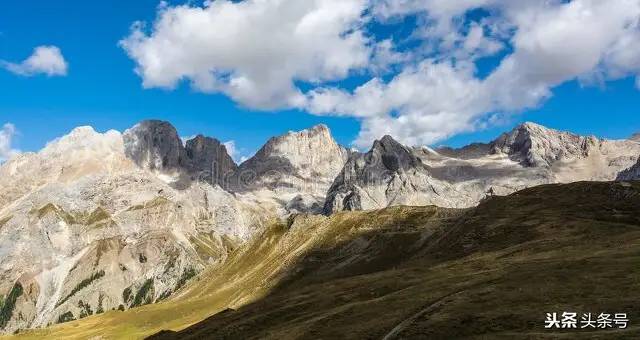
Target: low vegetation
x: 9, y: 303
x: 84, y: 283
x: 145, y: 294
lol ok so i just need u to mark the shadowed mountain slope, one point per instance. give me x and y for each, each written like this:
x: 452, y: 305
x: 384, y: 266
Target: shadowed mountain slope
x: 633, y: 173
x: 413, y: 272
x: 492, y: 271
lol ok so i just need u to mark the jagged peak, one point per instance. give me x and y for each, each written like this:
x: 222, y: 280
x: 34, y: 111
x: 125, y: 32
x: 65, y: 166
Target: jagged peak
x: 316, y: 130
x: 154, y: 125
x: 635, y: 137
x: 389, y: 144
x: 200, y: 138
x: 394, y: 154
x: 154, y: 144
x: 387, y: 139
x: 532, y: 126
x: 283, y: 144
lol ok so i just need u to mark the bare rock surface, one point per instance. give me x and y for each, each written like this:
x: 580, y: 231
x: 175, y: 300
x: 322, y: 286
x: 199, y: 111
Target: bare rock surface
x: 631, y: 174
x: 529, y: 155
x: 210, y: 161
x: 294, y: 170
x: 89, y: 225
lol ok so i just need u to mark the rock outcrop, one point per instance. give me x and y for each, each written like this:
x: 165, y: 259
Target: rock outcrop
x: 534, y: 145
x: 631, y: 174
x: 296, y: 169
x: 209, y: 161
x: 389, y: 174
x: 529, y: 155
x: 155, y: 145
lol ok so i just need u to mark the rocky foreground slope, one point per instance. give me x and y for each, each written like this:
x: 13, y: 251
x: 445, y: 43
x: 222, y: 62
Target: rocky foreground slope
x: 103, y: 221
x: 412, y: 272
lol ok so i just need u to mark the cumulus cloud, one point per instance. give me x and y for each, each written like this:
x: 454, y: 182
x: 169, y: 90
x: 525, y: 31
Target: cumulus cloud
x: 553, y: 42
x: 44, y: 60
x: 253, y: 50
x: 423, y: 103
x: 231, y: 148
x: 257, y: 51
x: 239, y: 155
x: 7, y: 134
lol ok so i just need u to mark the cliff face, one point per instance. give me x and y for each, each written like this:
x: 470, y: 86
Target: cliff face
x: 155, y: 145
x: 534, y: 145
x: 529, y: 155
x: 389, y: 174
x: 210, y: 161
x: 296, y: 168
x: 631, y: 174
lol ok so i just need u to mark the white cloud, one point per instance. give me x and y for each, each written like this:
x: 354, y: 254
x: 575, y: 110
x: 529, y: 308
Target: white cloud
x: 425, y: 103
x: 7, y: 134
x: 554, y: 42
x: 252, y: 50
x: 44, y: 60
x: 239, y: 155
x: 231, y: 148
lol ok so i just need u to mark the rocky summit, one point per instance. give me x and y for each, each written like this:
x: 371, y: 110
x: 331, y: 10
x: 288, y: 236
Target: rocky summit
x: 96, y: 222
x: 393, y: 174
x: 292, y: 171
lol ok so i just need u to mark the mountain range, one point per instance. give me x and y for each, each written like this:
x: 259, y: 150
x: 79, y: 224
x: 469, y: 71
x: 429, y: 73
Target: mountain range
x: 110, y: 221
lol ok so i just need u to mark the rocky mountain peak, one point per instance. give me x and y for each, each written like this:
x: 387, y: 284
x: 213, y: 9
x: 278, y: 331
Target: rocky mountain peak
x: 386, y: 173
x: 307, y: 153
x: 297, y: 167
x: 155, y: 145
x: 635, y: 137
x: 209, y: 159
x: 287, y: 143
x: 534, y: 145
x: 392, y: 155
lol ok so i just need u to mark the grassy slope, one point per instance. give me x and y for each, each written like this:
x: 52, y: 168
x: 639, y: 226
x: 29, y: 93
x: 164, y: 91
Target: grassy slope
x: 414, y: 272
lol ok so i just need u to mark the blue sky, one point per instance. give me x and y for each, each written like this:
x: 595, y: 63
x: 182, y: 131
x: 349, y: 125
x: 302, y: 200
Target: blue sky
x: 101, y: 88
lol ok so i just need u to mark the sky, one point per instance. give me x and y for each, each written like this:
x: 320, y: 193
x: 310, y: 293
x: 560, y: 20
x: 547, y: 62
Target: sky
x: 428, y: 72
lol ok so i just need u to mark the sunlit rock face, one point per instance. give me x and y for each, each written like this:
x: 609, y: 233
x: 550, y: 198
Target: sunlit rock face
x: 95, y: 222
x: 292, y: 172
x: 529, y: 155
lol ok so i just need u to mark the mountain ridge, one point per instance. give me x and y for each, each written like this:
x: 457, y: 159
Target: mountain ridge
x: 101, y: 221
